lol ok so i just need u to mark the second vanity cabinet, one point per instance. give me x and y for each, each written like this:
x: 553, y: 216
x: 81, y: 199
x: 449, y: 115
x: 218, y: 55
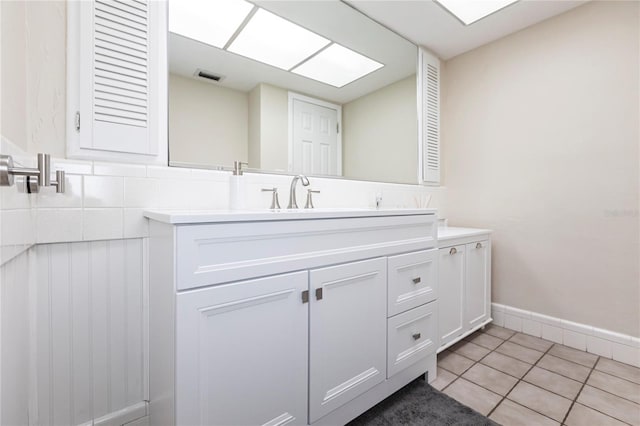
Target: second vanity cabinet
x: 464, y: 299
x: 288, y: 319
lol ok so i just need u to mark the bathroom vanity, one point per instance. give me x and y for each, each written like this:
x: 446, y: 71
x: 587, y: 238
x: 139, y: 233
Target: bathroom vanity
x: 464, y: 270
x: 288, y: 317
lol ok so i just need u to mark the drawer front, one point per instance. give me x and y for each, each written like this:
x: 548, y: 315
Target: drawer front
x: 211, y: 254
x: 413, y: 280
x: 411, y: 336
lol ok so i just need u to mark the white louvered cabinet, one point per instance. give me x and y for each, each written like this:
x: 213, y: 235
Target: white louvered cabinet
x: 116, y: 78
x: 429, y: 105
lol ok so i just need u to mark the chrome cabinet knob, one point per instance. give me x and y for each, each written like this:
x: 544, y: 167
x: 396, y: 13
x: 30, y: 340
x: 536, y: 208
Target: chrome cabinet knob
x: 453, y: 251
x: 417, y: 280
x: 478, y: 245
x: 416, y: 336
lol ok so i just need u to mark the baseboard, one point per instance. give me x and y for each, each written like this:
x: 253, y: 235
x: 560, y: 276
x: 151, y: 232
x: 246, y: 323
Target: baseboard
x: 608, y: 344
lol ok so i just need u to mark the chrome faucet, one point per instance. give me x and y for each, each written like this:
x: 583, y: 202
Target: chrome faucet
x: 292, y: 192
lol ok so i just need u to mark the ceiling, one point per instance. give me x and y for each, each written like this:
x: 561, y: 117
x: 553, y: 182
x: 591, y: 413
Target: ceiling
x: 428, y: 24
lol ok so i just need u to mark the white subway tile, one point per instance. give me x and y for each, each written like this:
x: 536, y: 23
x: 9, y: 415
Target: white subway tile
x: 141, y: 192
x: 534, y: 328
x: 103, y: 191
x: 119, y: 169
x: 599, y: 346
x: 72, y: 166
x: 16, y: 196
x: 574, y: 340
x: 72, y: 196
x: 627, y: 354
x: 498, y: 318
x: 577, y: 327
x: 545, y: 319
x: 497, y: 307
x: 217, y: 175
x: 102, y: 224
x: 624, y: 339
x: 135, y: 224
x: 552, y: 333
x: 512, y: 322
x: 168, y: 172
x: 58, y: 225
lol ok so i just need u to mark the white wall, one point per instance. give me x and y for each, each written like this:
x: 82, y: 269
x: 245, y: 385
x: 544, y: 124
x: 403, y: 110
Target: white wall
x: 207, y: 123
x: 540, y: 141
x: 268, y: 123
x: 380, y: 133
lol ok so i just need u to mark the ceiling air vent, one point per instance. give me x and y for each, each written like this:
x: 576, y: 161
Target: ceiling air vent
x: 208, y: 75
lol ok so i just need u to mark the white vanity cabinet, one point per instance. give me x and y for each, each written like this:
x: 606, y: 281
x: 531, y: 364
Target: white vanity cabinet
x: 464, y: 292
x: 282, y: 318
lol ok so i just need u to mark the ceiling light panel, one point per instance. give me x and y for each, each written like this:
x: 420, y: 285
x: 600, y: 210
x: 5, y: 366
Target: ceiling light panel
x: 470, y: 11
x: 210, y: 22
x: 275, y: 41
x: 337, y: 66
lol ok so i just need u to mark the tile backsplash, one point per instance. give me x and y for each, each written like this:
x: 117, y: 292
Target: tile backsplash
x: 106, y: 200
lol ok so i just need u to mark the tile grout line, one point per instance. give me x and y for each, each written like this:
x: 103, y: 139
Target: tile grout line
x: 580, y: 391
x: 518, y: 382
x: 458, y: 376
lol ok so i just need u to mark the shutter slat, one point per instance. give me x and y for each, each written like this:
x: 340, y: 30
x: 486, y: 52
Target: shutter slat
x: 120, y: 65
x: 430, y: 118
x: 132, y: 15
x: 117, y: 28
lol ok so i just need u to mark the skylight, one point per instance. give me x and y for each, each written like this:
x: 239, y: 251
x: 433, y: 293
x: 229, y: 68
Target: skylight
x: 337, y: 66
x: 275, y: 41
x: 210, y: 22
x: 470, y: 11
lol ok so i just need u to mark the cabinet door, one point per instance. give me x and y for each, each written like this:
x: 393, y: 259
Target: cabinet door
x: 413, y: 280
x: 348, y: 333
x: 478, y: 283
x: 451, y: 323
x: 241, y: 354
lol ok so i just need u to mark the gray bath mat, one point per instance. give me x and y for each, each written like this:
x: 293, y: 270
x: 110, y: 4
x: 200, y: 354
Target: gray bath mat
x: 418, y: 404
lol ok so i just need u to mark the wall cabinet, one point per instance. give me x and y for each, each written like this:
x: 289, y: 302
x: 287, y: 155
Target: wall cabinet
x: 464, y: 298
x: 286, y: 321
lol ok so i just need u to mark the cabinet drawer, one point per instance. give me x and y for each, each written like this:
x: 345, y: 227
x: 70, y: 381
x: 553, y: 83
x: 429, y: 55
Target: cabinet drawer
x: 413, y: 280
x: 410, y: 337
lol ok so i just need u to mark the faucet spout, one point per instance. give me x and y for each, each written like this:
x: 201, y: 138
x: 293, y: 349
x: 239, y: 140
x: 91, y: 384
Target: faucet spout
x: 292, y: 191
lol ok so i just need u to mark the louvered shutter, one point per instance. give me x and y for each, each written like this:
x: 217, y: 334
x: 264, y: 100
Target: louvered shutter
x: 118, y: 75
x: 430, y: 122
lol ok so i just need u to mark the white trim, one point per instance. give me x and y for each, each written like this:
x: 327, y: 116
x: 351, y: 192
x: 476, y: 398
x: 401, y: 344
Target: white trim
x: 158, y: 90
x: 297, y: 96
x: 609, y: 344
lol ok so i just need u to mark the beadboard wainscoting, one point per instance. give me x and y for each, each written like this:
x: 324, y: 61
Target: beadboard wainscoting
x: 15, y: 357
x: 606, y: 343
x: 74, y: 334
x: 90, y: 333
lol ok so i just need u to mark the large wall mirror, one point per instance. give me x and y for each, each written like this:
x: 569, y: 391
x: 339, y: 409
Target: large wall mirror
x: 311, y: 87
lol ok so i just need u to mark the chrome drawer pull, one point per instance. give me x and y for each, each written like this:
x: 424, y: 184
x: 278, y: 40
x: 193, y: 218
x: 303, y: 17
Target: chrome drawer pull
x: 453, y: 250
x: 416, y: 336
x: 417, y: 280
x: 479, y: 245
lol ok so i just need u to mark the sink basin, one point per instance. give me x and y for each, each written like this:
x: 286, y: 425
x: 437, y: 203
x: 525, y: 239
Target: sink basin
x: 204, y: 216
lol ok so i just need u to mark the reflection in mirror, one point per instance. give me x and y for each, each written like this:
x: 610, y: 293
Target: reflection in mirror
x: 311, y: 87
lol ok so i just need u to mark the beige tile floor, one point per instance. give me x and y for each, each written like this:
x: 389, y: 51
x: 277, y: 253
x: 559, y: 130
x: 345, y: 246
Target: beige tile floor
x: 516, y: 379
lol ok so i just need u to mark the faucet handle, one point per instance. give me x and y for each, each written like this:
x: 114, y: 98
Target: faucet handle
x: 309, y: 204
x: 275, y: 203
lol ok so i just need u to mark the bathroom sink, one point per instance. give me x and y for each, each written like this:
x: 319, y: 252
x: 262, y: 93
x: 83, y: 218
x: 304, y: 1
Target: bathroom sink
x: 203, y: 216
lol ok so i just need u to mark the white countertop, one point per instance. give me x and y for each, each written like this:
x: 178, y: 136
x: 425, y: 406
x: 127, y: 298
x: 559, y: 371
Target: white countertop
x: 451, y: 232
x: 213, y: 216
